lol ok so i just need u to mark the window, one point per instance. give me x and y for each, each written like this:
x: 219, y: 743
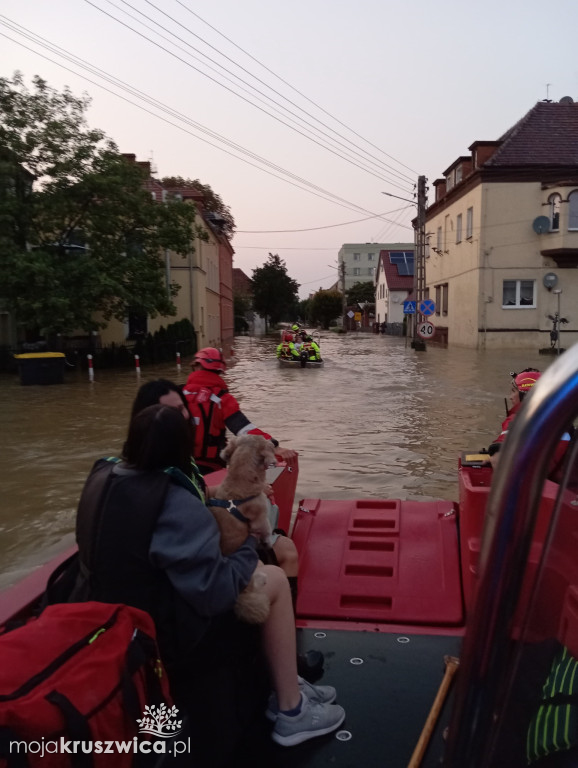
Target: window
x: 371, y: 256
x: 458, y: 174
x: 449, y: 181
x: 469, y: 223
x: 459, y: 228
x: 573, y: 210
x: 445, y: 298
x: 356, y: 256
x: 442, y: 299
x: 439, y: 244
x: 554, y: 203
x: 371, y: 271
x: 518, y: 293
x: 438, y: 299
x: 356, y: 271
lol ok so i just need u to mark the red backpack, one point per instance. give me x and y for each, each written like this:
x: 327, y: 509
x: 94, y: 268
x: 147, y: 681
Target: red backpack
x: 77, y: 682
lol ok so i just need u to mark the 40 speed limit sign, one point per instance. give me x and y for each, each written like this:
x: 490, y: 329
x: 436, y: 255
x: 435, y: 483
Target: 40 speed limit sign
x: 426, y: 330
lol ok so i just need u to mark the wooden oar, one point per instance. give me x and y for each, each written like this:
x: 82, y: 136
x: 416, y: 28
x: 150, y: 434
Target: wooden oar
x: 452, y: 663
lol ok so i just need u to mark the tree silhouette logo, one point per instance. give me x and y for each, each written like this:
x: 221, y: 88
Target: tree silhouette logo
x: 160, y: 721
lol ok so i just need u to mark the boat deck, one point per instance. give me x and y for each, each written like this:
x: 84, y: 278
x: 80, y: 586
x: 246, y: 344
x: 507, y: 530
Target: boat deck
x: 387, y: 698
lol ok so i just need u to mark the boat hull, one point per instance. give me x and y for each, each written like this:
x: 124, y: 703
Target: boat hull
x: 300, y: 363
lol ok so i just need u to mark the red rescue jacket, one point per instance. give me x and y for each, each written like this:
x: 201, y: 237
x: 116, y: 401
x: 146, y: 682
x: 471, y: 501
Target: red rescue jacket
x: 214, y: 410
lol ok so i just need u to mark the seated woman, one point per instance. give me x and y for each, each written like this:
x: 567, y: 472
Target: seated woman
x: 145, y: 539
x: 167, y: 392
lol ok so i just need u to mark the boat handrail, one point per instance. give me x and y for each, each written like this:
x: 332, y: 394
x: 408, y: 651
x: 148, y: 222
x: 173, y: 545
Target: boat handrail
x: 509, y: 526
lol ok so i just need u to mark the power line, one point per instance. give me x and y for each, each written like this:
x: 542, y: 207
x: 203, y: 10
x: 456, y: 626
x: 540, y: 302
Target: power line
x: 150, y: 100
x: 234, y: 92
x: 312, y: 229
x: 402, y: 176
x: 293, y: 88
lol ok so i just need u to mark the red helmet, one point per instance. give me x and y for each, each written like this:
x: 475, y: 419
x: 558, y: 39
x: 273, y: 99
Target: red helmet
x: 525, y: 381
x: 211, y: 359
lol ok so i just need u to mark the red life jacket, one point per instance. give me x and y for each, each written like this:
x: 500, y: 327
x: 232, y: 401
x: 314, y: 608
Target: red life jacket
x: 205, y: 408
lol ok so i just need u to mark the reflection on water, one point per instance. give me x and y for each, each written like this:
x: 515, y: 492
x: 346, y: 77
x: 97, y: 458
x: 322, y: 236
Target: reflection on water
x: 378, y: 420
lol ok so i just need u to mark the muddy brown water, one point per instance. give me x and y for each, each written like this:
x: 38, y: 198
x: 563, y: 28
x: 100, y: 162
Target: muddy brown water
x: 379, y: 420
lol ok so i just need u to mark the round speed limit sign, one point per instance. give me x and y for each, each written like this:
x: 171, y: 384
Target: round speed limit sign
x: 426, y: 330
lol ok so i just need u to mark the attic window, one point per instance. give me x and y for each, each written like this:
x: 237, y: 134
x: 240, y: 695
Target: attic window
x: 449, y: 181
x: 458, y: 174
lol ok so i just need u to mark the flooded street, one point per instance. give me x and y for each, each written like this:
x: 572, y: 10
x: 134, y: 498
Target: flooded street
x: 379, y: 420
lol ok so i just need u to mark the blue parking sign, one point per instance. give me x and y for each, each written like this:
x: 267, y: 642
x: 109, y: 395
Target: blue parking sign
x: 409, y: 307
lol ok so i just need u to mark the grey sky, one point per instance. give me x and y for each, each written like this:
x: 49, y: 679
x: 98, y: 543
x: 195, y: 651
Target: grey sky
x: 418, y: 80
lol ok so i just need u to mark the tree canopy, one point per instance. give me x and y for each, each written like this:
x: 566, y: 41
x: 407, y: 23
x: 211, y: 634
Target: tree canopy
x: 274, y: 292
x: 325, y: 306
x: 212, y: 202
x: 85, y: 242
x: 361, y: 292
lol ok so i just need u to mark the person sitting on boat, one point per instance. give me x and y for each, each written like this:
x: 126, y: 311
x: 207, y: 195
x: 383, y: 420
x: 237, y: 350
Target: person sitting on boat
x: 310, y: 346
x: 214, y: 410
x: 286, y: 350
x: 522, y: 383
x: 146, y: 539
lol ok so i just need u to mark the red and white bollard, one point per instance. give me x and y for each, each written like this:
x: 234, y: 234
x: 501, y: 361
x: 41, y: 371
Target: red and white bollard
x: 90, y: 368
x: 137, y: 364
x: 178, y: 361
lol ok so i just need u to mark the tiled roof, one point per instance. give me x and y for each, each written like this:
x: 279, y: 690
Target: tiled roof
x: 395, y: 281
x: 546, y: 135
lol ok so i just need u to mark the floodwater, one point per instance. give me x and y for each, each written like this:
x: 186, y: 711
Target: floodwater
x: 379, y: 420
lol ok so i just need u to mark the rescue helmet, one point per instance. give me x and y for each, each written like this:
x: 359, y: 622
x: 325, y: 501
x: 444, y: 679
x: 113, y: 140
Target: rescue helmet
x: 524, y: 381
x: 211, y: 359
x: 295, y: 327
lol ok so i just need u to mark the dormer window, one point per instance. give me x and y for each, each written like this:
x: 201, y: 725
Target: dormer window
x: 554, y: 205
x: 449, y: 181
x: 458, y: 174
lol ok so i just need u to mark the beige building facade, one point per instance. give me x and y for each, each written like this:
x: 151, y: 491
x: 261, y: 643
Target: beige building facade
x: 502, y: 237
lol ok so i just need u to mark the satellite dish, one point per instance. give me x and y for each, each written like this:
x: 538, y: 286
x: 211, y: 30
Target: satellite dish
x: 566, y: 100
x: 541, y: 224
x: 550, y: 280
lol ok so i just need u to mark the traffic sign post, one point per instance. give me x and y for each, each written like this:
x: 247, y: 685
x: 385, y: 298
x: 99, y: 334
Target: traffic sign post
x: 409, y: 307
x: 426, y: 330
x: 427, y: 307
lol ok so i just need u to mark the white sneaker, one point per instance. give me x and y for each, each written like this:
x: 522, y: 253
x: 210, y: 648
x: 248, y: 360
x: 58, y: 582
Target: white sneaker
x: 314, y: 720
x: 319, y: 694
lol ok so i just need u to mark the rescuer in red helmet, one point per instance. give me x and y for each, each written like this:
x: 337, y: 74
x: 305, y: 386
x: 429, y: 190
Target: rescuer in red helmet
x: 522, y: 383
x: 214, y: 410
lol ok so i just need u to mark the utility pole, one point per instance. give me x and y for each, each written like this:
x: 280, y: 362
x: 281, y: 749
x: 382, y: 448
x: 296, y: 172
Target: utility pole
x: 419, y: 269
x: 343, y: 302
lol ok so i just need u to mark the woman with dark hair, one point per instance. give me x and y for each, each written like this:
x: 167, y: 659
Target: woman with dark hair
x: 146, y: 539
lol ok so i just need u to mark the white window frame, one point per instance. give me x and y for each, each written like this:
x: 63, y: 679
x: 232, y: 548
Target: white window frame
x: 459, y: 228
x: 356, y: 271
x: 469, y: 223
x: 518, y: 286
x: 370, y: 256
x: 356, y: 257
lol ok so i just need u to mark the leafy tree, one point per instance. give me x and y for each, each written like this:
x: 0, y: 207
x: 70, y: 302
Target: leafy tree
x: 87, y: 242
x: 361, y: 292
x: 241, y: 306
x: 325, y: 307
x: 212, y: 202
x: 274, y: 292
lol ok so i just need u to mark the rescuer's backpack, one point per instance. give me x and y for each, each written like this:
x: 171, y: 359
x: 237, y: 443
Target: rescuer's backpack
x: 81, y: 682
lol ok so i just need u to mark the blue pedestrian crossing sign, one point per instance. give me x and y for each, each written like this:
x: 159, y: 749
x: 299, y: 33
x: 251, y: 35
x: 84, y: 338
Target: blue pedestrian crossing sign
x: 409, y: 307
x: 427, y: 307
